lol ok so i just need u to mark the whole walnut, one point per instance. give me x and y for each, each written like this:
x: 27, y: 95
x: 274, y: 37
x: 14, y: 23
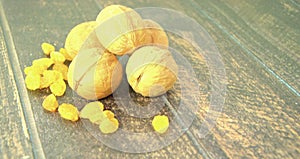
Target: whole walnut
x: 154, y: 34
x: 116, y: 29
x: 151, y: 71
x: 77, y: 37
x: 94, y: 73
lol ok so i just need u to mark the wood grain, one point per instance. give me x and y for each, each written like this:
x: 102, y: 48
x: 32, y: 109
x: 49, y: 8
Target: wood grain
x: 14, y: 136
x: 260, y: 118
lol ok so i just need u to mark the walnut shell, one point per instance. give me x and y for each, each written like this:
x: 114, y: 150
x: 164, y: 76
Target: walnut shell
x: 116, y: 29
x: 94, y: 73
x: 77, y: 37
x: 151, y: 71
x: 154, y: 34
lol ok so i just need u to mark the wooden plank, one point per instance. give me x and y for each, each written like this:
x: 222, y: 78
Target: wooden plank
x: 14, y: 136
x: 260, y: 117
x: 58, y: 137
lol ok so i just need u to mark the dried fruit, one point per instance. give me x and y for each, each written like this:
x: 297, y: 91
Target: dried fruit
x: 91, y: 109
x: 49, y: 77
x: 33, y: 81
x: 77, y: 36
x: 116, y: 29
x: 63, y: 51
x: 52, y: 75
x: 57, y: 57
x: 154, y: 34
x: 38, y: 66
x: 109, y: 114
x: 58, y: 88
x: 43, y: 63
x: 45, y: 82
x: 109, y: 125
x: 160, y: 123
x: 62, y: 68
x: 151, y: 71
x: 47, y: 48
x: 33, y: 70
x: 94, y: 74
x: 94, y: 112
x: 50, y: 103
x: 68, y: 111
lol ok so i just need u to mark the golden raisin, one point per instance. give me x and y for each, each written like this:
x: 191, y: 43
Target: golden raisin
x: 49, y: 77
x: 33, y: 70
x: 57, y: 57
x: 160, y: 123
x: 47, y: 48
x: 109, y: 114
x: 63, y: 51
x: 91, y: 109
x: 109, y: 125
x: 33, y: 81
x: 97, y: 118
x: 45, y: 82
x: 62, y: 68
x: 38, y: 66
x: 50, y: 103
x: 68, y: 111
x: 58, y: 88
x: 94, y: 112
x: 44, y: 63
x: 53, y: 75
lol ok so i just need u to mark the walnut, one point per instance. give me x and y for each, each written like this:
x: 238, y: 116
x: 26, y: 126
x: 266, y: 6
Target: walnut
x: 77, y: 37
x: 94, y: 73
x: 117, y: 27
x: 154, y: 34
x: 151, y: 71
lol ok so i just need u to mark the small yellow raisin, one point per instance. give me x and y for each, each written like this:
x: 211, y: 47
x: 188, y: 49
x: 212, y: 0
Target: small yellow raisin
x: 109, y: 114
x: 97, y: 118
x: 94, y: 112
x: 91, y: 109
x: 160, y: 123
x: 109, y: 125
x: 33, y: 81
x: 63, y: 51
x: 49, y: 77
x: 68, y: 111
x: 57, y: 57
x: 52, y: 75
x: 50, y: 103
x: 62, y: 68
x: 33, y: 70
x: 47, y: 48
x: 58, y: 88
x: 45, y: 82
x: 44, y: 63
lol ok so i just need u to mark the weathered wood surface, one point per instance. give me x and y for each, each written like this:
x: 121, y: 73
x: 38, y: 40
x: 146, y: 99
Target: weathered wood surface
x: 260, y: 118
x: 14, y: 138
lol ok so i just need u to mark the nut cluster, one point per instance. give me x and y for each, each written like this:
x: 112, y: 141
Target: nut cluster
x: 96, y: 72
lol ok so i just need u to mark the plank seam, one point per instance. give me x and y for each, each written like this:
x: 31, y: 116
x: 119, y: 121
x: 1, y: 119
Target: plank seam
x: 20, y: 84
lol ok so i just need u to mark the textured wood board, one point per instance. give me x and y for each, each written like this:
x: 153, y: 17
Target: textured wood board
x: 14, y: 138
x: 260, y: 118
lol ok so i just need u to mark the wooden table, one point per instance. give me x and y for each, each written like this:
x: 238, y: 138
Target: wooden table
x: 259, y: 44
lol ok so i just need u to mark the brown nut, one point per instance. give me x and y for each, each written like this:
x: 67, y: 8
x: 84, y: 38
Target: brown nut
x: 151, y: 71
x: 154, y: 34
x: 94, y: 73
x: 116, y: 29
x: 77, y: 37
